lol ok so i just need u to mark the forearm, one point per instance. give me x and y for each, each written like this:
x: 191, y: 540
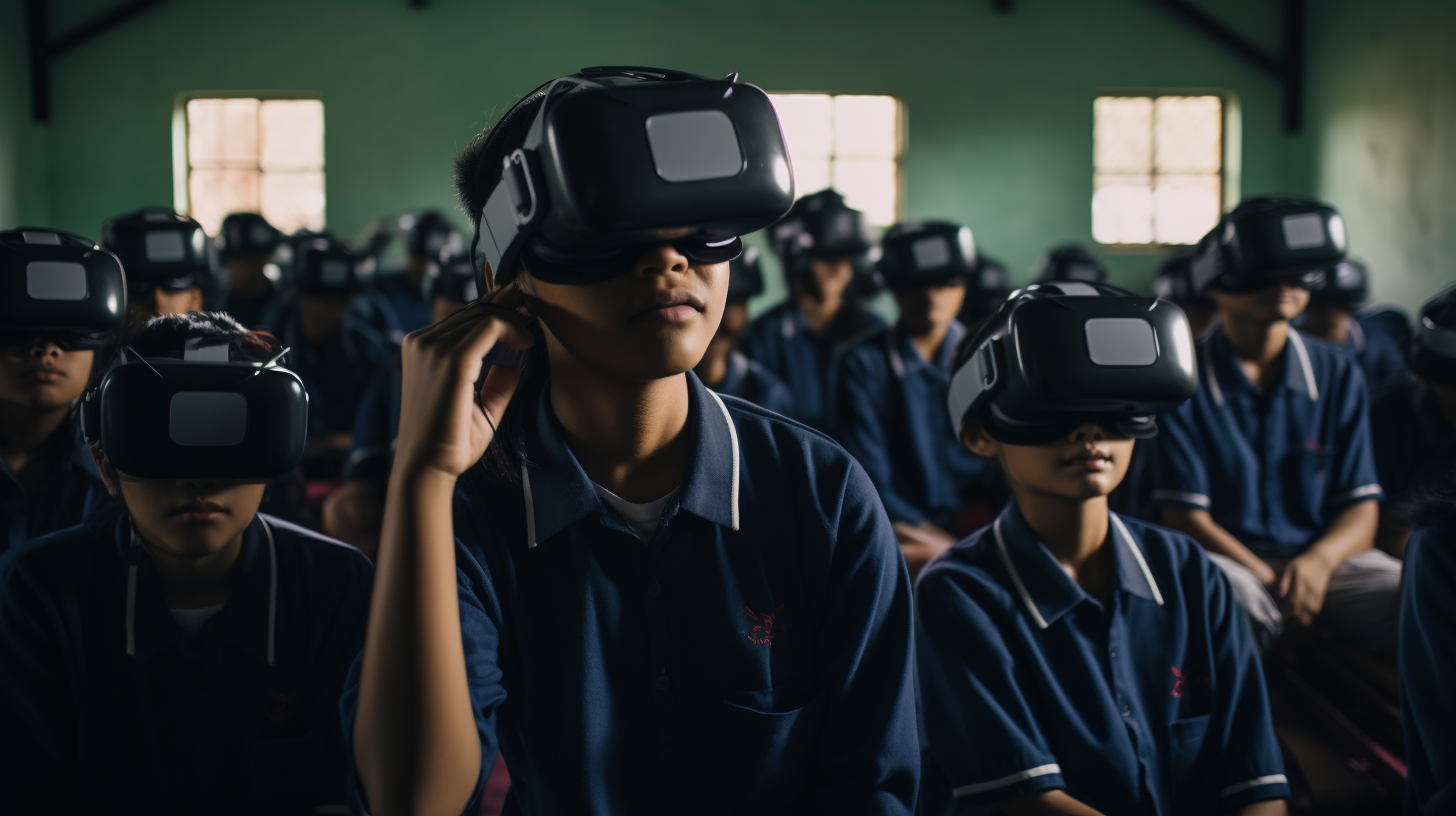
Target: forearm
x: 415, y: 741
x: 1271, y: 807
x: 1207, y: 532
x: 1352, y: 531
x: 1047, y: 803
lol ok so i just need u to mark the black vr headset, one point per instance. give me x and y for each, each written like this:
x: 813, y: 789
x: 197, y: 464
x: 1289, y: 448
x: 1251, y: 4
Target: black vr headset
x: 820, y: 225
x: 1432, y: 354
x: 915, y: 254
x: 619, y: 159
x: 1267, y: 240
x: 198, y: 417
x: 455, y: 278
x: 1057, y: 355
x: 1347, y: 284
x: 160, y: 247
x: 745, y: 276
x: 1071, y: 263
x: 60, y: 285
x: 247, y: 234
x: 430, y: 234
x: 1174, y: 283
x: 323, y: 265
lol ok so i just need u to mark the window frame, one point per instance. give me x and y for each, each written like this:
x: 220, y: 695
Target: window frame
x: 1230, y: 160
x: 181, y: 164
x: 901, y: 140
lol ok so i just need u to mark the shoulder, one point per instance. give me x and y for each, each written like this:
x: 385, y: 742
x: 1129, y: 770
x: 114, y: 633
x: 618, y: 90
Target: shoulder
x: 61, y: 557
x: 971, y: 569
x: 316, y: 549
x: 1326, y: 359
x: 779, y: 450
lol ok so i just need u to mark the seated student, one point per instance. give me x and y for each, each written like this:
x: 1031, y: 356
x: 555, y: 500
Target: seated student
x: 401, y: 298
x: 892, y: 388
x: 729, y: 371
x: 1269, y: 466
x: 52, y: 321
x: 334, y: 353
x: 187, y: 656
x: 245, y: 242
x: 1413, y: 420
x: 1331, y: 317
x: 167, y: 259
x: 1071, y: 660
x: 987, y: 286
x: 1428, y: 649
x: 1071, y: 263
x: 668, y: 601
x: 818, y: 242
x: 1174, y: 283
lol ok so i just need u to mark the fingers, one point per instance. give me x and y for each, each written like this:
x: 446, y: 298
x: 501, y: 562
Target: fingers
x: 1286, y: 580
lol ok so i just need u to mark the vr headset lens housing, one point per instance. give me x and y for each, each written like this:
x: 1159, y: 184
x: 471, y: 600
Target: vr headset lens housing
x: 1064, y: 354
x: 1433, y: 344
x: 55, y: 280
x: 1266, y: 241
x: 619, y: 159
x: 917, y: 254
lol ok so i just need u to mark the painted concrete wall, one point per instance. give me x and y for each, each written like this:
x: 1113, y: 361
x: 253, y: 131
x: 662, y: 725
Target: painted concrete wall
x: 999, y: 107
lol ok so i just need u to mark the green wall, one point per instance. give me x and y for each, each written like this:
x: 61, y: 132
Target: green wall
x: 999, y: 107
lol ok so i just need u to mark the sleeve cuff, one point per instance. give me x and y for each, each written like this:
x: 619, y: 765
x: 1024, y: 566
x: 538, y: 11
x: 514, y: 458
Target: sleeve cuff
x: 1042, y: 777
x: 1369, y: 491
x: 1258, y: 789
x: 1198, y: 500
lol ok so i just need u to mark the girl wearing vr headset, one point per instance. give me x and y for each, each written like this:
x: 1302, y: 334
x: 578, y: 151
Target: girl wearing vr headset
x: 1073, y: 660
x: 187, y: 657
x: 654, y: 599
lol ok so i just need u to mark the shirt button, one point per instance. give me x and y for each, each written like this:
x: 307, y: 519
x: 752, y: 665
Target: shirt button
x: 663, y: 683
x: 1114, y: 653
x: 654, y: 590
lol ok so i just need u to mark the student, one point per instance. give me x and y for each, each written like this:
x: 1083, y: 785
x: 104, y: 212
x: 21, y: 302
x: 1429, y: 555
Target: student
x: 245, y: 242
x: 51, y: 324
x: 1071, y: 263
x: 1072, y: 660
x: 1269, y: 466
x: 1413, y: 420
x: 986, y: 288
x: 1174, y: 283
x: 188, y: 656
x: 334, y: 353
x: 1428, y: 649
x: 729, y: 371
x: 892, y: 388
x: 1331, y: 317
x: 167, y: 258
x: 819, y: 242
x: 402, y: 298
x: 669, y: 601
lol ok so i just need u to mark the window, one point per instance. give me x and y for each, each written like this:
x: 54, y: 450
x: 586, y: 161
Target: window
x: 1159, y: 168
x: 254, y: 155
x: 850, y: 142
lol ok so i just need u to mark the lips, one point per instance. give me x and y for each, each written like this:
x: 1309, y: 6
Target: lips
x: 672, y: 307
x: 47, y: 374
x: 1093, y: 460
x: 201, y: 510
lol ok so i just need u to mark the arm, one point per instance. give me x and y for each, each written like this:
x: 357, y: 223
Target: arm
x: 416, y: 744
x: 1199, y: 525
x: 1273, y: 807
x: 1047, y: 803
x: 860, y: 427
x: 1305, y: 579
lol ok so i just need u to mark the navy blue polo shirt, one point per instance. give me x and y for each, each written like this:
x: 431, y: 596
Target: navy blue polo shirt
x: 253, y: 311
x: 74, y: 493
x: 748, y: 380
x: 1273, y: 468
x: 376, y: 425
x: 1378, y: 353
x: 1411, y: 437
x: 401, y: 306
x: 107, y: 708
x: 752, y: 656
x: 891, y: 416
x: 335, y: 372
x: 1427, y: 664
x: 1152, y: 704
x: 782, y: 341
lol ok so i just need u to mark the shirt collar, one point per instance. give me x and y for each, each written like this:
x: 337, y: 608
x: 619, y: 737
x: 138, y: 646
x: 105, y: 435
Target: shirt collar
x: 1224, y: 376
x: 905, y: 357
x: 249, y: 619
x: 557, y: 491
x: 1044, y: 589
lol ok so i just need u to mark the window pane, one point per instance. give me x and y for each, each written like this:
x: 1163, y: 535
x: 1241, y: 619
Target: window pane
x: 868, y: 185
x: 215, y: 193
x: 807, y: 120
x: 1188, y: 135
x: 294, y: 200
x: 222, y: 132
x: 1185, y: 208
x: 1122, y: 209
x: 292, y: 134
x: 866, y: 127
x: 810, y: 176
x: 1123, y: 134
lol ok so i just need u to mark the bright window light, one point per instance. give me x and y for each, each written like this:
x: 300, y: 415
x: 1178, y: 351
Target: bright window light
x: 1158, y: 168
x: 256, y: 155
x: 850, y: 142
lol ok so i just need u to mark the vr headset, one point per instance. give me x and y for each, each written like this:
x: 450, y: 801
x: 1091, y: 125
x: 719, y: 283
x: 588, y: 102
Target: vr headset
x: 159, y: 247
x: 915, y: 254
x: 1267, y: 240
x: 820, y: 225
x: 1057, y: 355
x: 1347, y: 283
x: 430, y: 234
x: 1174, y: 283
x: 1432, y: 354
x: 745, y: 276
x: 619, y: 159
x: 60, y: 285
x: 200, y: 417
x: 1071, y: 263
x: 247, y: 234
x: 455, y: 279
x: 324, y: 266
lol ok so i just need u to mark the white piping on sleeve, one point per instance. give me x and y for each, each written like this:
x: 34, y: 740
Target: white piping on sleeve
x: 1178, y: 495
x: 1304, y: 364
x: 530, y: 507
x: 1271, y: 779
x: 1358, y: 493
x: 733, y: 436
x: 1030, y: 773
x: 1138, y: 554
x: 1212, y: 378
x: 1020, y: 589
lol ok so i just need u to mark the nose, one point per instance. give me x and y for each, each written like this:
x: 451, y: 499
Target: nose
x: 203, y: 486
x: 40, y: 348
x: 660, y: 260
x: 1089, y: 432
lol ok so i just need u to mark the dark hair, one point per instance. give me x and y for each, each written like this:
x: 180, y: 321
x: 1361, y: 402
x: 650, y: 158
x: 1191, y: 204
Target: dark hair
x: 166, y: 335
x: 478, y: 170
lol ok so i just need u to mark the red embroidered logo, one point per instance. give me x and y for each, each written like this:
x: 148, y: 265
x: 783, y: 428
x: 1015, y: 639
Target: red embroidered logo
x: 284, y: 705
x: 1314, y: 446
x: 763, y: 633
x: 1180, y: 686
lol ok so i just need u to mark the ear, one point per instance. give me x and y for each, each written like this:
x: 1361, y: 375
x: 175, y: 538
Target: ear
x: 981, y: 444
x: 102, y: 467
x: 489, y: 275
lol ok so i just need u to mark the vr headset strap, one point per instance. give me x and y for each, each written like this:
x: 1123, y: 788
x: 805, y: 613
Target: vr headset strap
x: 1438, y: 340
x: 972, y: 384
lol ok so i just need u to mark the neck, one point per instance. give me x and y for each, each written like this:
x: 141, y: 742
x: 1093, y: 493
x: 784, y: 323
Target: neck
x: 247, y: 277
x: 415, y: 269
x: 31, y: 443
x: 928, y: 341
x: 629, y: 436
x: 192, y: 582
x: 713, y: 369
x: 820, y: 309
x: 1330, y: 325
x: 1073, y: 529
x: 316, y: 330
x: 1259, y: 345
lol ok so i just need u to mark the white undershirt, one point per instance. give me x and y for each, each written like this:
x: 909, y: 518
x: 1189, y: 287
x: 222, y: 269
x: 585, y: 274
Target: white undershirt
x: 642, y: 518
x: 190, y: 621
